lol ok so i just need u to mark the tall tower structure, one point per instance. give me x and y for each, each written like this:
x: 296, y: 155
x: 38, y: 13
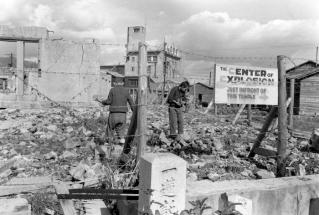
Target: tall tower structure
x: 135, y: 35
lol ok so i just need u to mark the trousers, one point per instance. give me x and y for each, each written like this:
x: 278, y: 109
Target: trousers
x: 176, y: 120
x: 116, y: 124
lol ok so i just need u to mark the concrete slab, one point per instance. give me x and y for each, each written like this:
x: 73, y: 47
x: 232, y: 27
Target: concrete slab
x: 22, y: 33
x: 14, y: 206
x: 291, y: 195
x: 162, y: 184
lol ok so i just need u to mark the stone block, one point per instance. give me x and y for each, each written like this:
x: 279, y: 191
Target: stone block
x: 15, y: 206
x: 162, y: 184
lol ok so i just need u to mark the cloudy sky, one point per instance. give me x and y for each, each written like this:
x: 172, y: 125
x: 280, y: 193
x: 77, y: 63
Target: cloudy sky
x: 234, y: 30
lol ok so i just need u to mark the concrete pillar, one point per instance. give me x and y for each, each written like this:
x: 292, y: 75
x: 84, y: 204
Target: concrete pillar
x: 20, y: 68
x: 162, y: 184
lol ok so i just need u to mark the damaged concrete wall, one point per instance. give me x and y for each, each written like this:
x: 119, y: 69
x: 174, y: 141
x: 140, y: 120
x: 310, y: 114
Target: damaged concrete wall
x: 70, y: 71
x: 23, y: 33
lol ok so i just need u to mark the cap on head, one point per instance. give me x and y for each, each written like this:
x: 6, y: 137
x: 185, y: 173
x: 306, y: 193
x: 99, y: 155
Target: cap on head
x: 118, y: 81
x: 185, y: 84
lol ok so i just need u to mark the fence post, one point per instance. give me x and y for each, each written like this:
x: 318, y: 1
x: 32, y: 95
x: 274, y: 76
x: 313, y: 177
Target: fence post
x: 282, y: 118
x: 249, y: 114
x: 292, y: 102
x: 215, y: 105
x: 142, y: 99
x: 271, y: 115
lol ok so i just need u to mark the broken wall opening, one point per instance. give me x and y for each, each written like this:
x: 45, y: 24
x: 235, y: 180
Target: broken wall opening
x: 7, y: 66
x: 9, y: 61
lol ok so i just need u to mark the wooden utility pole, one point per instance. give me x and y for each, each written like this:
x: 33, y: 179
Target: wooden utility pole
x: 292, y: 102
x: 194, y: 94
x: 317, y: 55
x: 142, y: 99
x: 282, y: 118
x: 164, y: 73
x: 215, y: 105
x: 249, y: 114
x: 238, y: 113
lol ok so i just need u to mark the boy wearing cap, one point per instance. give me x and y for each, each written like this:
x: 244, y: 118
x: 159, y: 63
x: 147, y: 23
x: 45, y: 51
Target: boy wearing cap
x: 117, y: 100
x: 176, y: 100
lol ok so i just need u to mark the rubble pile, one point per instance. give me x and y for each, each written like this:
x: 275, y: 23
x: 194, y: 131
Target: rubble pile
x: 217, y: 150
x: 47, y: 142
x: 53, y: 142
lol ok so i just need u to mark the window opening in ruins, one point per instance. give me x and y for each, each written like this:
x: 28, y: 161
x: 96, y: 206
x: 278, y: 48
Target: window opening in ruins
x: 3, y: 84
x: 136, y: 30
x: 149, y: 67
x: 154, y: 58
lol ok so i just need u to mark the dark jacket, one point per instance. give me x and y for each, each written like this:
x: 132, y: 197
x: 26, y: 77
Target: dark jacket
x: 176, y: 95
x: 118, y: 99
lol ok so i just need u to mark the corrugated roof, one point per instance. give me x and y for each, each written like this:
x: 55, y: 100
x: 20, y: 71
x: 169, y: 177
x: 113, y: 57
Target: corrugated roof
x: 205, y: 85
x: 302, y: 73
x: 309, y: 62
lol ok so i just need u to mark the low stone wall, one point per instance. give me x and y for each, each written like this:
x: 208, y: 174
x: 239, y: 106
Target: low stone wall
x: 162, y: 186
x: 290, y: 195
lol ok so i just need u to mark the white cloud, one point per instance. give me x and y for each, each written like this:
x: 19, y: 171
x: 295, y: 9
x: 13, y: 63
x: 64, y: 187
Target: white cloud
x: 209, y: 27
x: 218, y: 34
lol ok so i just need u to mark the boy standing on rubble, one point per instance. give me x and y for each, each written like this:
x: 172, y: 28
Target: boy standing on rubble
x: 117, y: 100
x: 176, y: 101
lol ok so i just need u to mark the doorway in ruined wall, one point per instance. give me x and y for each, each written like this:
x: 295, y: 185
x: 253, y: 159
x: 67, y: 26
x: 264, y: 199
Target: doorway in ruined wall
x: 8, y: 65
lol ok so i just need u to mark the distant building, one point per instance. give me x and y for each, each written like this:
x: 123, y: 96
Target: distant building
x: 202, y: 93
x: 306, y: 96
x: 157, y: 57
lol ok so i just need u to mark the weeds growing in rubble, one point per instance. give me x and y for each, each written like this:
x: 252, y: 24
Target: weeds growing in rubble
x: 42, y: 202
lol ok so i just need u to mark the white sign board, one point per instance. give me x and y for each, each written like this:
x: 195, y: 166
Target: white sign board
x: 246, y: 85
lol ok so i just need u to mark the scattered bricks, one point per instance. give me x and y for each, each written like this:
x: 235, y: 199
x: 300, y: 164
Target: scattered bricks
x: 68, y: 155
x: 247, y: 173
x: 51, y: 155
x: 304, y: 143
x: 7, y: 164
x: 213, y: 176
x: 192, y: 176
x: 218, y: 144
x: 71, y: 143
x: 164, y: 139
x: 79, y: 171
x: 52, y: 128
x: 264, y: 174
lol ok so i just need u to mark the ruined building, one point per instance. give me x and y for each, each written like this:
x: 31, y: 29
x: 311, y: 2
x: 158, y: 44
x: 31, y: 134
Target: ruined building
x: 158, y: 57
x: 68, y: 71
